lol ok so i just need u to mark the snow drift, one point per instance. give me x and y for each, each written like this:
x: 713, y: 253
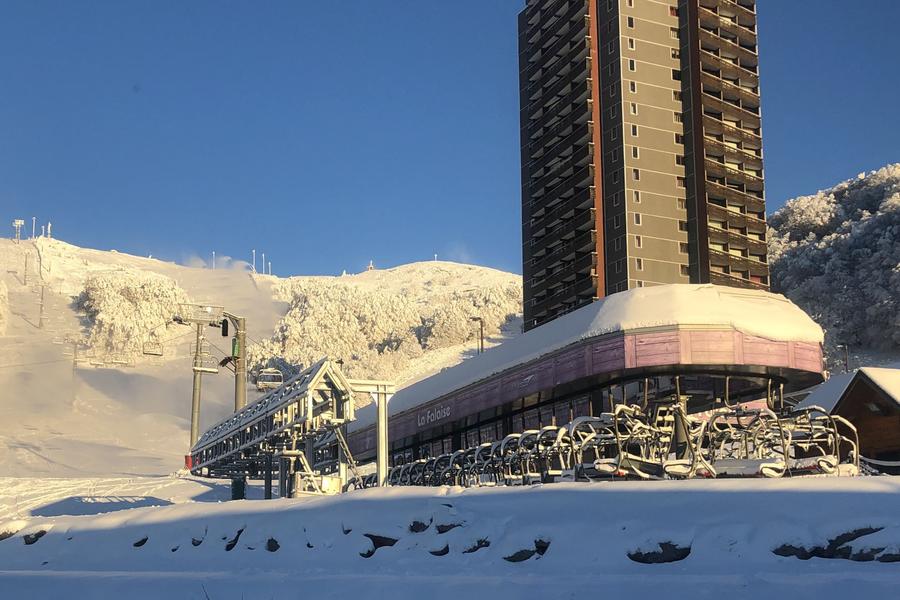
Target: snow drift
x: 741, y: 538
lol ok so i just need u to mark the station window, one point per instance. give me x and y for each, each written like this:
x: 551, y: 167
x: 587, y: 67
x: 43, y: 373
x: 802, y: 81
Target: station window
x: 638, y: 241
x: 637, y: 218
x: 685, y: 270
x: 637, y: 196
x: 631, y: 22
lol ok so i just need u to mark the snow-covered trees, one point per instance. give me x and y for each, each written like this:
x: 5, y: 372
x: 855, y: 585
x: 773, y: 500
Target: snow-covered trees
x: 380, y: 323
x: 837, y: 255
x: 123, y: 307
x: 4, y: 308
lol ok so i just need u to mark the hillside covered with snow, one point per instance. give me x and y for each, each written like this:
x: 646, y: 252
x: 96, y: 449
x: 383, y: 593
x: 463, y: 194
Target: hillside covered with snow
x: 75, y: 323
x: 836, y: 254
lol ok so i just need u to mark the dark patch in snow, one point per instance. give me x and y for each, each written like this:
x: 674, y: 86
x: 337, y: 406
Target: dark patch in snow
x: 140, y: 542
x: 482, y: 543
x: 195, y: 542
x: 447, y: 505
x: 447, y: 527
x: 233, y: 542
x: 419, y: 526
x: 175, y: 549
x: 668, y: 552
x: 540, y: 547
x: 308, y: 545
x: 345, y: 530
x: 442, y: 552
x: 7, y: 534
x: 272, y: 545
x: 31, y: 538
x: 378, y: 541
x: 837, y: 548
x: 521, y: 555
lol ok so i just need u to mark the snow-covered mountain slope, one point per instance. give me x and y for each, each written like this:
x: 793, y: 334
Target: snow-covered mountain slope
x: 823, y: 538
x: 79, y: 397
x: 836, y: 254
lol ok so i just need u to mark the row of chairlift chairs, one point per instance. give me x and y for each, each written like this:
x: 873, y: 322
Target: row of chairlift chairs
x: 657, y: 441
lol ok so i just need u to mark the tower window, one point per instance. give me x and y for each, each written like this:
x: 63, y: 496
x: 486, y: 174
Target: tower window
x: 634, y: 130
x: 685, y: 271
x: 634, y: 152
x: 638, y: 241
x: 639, y: 263
x: 676, y: 74
x: 680, y: 181
x: 637, y: 196
x: 631, y: 65
x: 679, y: 139
x: 631, y: 22
x: 683, y: 247
x: 636, y: 174
x: 673, y: 32
x: 631, y: 43
x: 634, y: 109
x: 637, y: 218
x: 632, y: 85
x: 682, y: 226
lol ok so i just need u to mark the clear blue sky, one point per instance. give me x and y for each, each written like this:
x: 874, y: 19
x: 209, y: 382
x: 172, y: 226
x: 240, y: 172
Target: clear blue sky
x: 330, y: 133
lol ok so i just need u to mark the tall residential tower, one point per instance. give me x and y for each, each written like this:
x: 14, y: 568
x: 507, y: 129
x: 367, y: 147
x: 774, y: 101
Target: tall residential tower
x: 641, y: 148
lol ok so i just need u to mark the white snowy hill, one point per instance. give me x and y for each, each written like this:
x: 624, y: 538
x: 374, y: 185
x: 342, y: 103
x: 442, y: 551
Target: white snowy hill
x: 836, y: 254
x: 81, y: 399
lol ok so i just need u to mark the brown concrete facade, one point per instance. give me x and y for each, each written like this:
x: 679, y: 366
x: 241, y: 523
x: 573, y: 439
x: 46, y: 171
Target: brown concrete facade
x: 641, y: 148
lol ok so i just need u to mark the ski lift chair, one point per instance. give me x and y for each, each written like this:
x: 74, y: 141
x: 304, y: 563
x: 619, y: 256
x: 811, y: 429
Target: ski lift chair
x: 529, y: 457
x: 403, y: 479
x: 815, y: 442
x: 394, y: 475
x: 686, y: 458
x: 641, y: 442
x: 482, y: 467
x: 417, y: 472
x: 746, y: 443
x: 593, y: 448
x: 441, y: 470
x: 269, y: 379
x: 511, y: 467
x: 468, y: 475
x: 552, y: 456
x: 454, y: 473
x: 428, y: 471
x: 496, y: 466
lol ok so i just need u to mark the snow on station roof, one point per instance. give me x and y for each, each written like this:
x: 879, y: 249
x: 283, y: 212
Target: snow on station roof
x: 754, y: 312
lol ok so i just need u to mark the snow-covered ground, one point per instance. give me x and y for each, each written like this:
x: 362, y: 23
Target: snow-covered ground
x: 743, y: 538
x: 121, y: 413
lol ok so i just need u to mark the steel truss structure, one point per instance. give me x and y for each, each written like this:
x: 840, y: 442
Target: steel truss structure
x: 658, y: 440
x: 296, y: 430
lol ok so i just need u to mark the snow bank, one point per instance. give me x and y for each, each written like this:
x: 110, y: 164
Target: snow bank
x: 380, y: 323
x: 754, y: 312
x: 127, y: 308
x: 801, y: 538
x: 837, y: 255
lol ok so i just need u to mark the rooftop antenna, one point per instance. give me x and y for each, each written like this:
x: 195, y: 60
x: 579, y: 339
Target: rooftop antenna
x: 264, y: 262
x: 270, y: 267
x: 17, y: 225
x: 435, y: 257
x: 33, y: 222
x: 371, y: 266
x: 214, y: 260
x: 254, y: 260
x: 49, y: 226
x: 42, y: 231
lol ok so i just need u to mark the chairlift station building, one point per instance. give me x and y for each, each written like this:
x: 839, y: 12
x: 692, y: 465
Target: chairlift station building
x: 706, y: 342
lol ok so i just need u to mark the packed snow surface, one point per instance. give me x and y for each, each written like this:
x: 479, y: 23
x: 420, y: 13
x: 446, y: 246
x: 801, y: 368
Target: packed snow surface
x: 822, y: 538
x: 754, y: 312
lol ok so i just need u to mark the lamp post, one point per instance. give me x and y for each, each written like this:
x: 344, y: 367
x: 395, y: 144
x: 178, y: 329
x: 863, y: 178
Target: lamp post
x: 846, y: 349
x: 480, y: 333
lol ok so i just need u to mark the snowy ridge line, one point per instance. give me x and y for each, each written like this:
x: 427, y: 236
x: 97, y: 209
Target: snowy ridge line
x: 683, y: 306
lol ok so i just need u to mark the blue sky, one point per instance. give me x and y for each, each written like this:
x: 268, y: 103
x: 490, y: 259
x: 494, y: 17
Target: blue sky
x: 327, y: 134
